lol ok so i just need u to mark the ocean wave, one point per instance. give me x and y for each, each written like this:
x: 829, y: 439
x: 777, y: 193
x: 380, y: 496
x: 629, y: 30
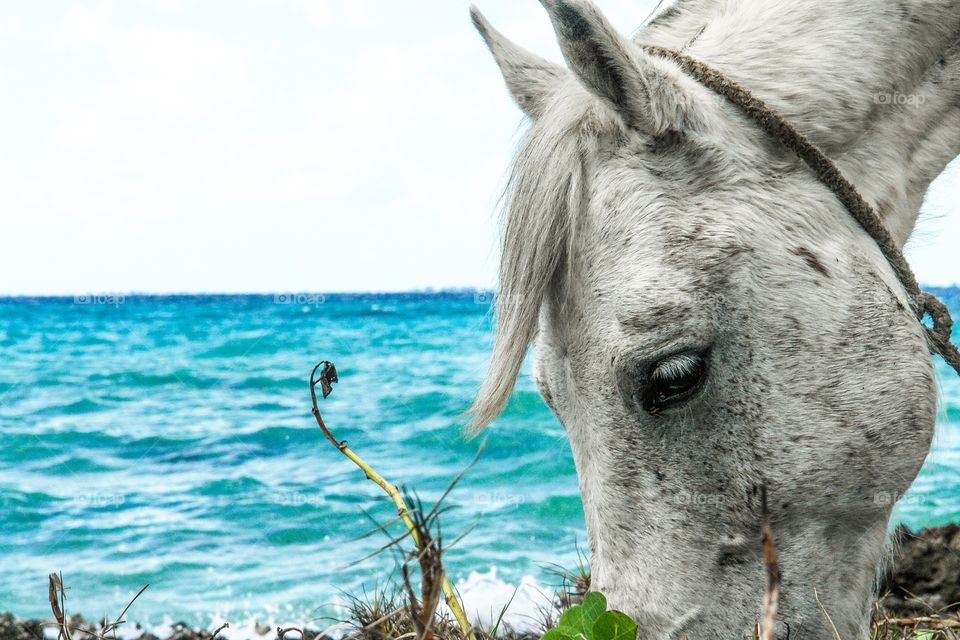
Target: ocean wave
x: 148, y: 379
x: 269, y: 383
x: 70, y: 464
x: 77, y: 407
x: 485, y: 595
x: 259, y: 343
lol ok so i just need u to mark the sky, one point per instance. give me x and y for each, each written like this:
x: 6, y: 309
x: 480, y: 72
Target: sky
x: 274, y: 145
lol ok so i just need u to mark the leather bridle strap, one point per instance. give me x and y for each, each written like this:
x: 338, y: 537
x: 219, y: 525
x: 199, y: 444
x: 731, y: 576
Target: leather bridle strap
x: 922, y: 303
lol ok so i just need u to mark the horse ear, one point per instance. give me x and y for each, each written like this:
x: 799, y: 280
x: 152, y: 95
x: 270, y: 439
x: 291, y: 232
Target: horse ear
x: 530, y: 78
x: 646, y: 91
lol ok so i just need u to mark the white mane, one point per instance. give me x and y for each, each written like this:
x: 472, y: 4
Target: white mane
x: 544, y: 196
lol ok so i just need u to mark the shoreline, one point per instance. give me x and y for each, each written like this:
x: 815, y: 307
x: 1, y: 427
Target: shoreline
x: 924, y: 581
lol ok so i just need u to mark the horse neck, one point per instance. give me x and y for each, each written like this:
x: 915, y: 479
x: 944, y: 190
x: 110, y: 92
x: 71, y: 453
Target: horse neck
x: 874, y: 84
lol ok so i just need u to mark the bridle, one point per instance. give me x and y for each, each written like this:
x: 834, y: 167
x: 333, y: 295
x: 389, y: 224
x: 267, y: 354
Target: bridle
x: 922, y: 303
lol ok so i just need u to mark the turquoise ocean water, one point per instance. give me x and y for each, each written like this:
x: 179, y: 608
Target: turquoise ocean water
x: 169, y: 441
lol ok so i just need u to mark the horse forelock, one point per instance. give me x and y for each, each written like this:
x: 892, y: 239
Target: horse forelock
x: 542, y: 201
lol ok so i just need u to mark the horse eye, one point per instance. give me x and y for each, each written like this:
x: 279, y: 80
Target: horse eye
x: 673, y: 380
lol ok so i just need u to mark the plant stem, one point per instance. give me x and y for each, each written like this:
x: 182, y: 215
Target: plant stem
x: 450, y: 595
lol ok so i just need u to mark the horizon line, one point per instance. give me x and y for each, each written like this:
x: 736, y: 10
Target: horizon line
x: 292, y: 293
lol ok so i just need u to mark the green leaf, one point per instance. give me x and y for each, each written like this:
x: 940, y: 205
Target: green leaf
x: 614, y: 625
x: 552, y: 634
x: 594, y: 605
x: 573, y: 618
x: 924, y: 635
x: 562, y: 633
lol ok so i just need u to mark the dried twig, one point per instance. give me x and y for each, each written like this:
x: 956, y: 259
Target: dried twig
x: 934, y: 622
x: 57, y: 594
x: 107, y: 628
x: 282, y: 633
x: 771, y: 597
x: 826, y: 615
x: 326, y: 379
x: 428, y: 555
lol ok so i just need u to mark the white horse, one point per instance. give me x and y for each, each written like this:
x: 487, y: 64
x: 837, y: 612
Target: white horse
x: 707, y: 319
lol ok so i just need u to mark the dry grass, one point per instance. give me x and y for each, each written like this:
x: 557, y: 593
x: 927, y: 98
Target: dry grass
x: 73, y: 628
x: 934, y: 625
x: 386, y: 614
x: 386, y: 618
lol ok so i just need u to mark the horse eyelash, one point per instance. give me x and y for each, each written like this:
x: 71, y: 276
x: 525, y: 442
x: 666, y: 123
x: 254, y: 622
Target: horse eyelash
x: 675, y: 367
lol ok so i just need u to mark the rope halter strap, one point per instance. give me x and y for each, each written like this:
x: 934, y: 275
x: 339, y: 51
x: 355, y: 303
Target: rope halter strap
x: 923, y: 304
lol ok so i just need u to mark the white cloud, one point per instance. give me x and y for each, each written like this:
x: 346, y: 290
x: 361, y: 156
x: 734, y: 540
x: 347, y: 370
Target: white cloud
x: 155, y: 70
x: 338, y: 15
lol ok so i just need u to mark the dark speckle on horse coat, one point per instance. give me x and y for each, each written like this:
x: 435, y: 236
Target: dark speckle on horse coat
x: 812, y: 261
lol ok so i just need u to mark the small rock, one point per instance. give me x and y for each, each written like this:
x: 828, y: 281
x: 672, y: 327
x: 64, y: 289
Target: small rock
x: 12, y: 629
